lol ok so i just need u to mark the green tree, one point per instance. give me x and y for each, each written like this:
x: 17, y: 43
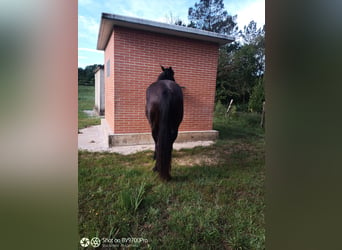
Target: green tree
x: 86, y: 76
x: 210, y: 15
x: 81, y: 76
x: 257, y: 97
x: 250, y: 32
x: 237, y: 73
x: 241, y: 65
x: 255, y: 37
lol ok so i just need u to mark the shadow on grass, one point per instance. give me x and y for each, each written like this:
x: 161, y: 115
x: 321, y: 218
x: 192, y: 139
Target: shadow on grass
x: 208, y: 174
x: 186, y: 174
x: 179, y: 178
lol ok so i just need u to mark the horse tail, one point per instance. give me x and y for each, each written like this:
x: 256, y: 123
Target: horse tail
x: 164, y: 144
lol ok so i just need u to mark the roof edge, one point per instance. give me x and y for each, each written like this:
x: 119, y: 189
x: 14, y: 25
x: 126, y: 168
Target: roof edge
x: 108, y: 21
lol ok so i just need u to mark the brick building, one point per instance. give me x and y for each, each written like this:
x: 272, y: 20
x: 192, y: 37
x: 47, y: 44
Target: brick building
x: 134, y: 50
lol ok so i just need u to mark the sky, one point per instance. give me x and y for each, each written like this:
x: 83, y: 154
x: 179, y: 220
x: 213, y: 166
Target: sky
x: 89, y: 17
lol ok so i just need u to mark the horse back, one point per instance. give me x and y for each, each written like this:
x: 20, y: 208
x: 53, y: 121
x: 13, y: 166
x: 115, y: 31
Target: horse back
x: 165, y: 89
x: 159, y: 89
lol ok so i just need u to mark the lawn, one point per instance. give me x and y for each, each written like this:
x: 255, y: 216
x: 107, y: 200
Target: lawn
x: 214, y: 201
x: 86, y: 101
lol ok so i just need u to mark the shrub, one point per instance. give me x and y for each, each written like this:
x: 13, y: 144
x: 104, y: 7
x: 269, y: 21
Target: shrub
x: 257, y: 97
x: 219, y: 109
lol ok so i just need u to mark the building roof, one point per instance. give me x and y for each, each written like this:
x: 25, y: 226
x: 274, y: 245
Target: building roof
x: 108, y: 21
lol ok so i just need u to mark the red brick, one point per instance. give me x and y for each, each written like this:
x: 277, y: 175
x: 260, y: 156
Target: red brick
x: 135, y: 58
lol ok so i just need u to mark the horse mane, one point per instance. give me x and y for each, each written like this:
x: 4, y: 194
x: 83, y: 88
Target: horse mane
x: 167, y: 74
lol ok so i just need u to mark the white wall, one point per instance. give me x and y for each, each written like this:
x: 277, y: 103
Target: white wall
x: 99, y: 92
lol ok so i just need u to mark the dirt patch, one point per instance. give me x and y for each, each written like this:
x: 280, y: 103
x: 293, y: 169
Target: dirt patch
x: 213, y: 156
x: 204, y: 157
x: 193, y: 161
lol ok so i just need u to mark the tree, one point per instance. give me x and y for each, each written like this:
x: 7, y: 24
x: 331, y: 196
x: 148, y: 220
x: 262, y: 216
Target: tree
x: 237, y: 73
x: 250, y: 32
x: 86, y: 76
x: 256, y: 38
x: 171, y: 19
x: 241, y: 66
x: 210, y: 15
x: 257, y: 97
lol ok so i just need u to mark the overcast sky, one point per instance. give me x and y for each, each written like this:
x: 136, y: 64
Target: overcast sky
x: 89, y: 15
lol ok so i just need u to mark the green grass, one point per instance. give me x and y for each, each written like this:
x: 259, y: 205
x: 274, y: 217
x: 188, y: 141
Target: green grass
x: 86, y: 101
x: 214, y: 201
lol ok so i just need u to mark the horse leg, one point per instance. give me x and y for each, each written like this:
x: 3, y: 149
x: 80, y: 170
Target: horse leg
x: 174, y: 134
x: 173, y: 137
x: 155, y: 138
x: 155, y: 151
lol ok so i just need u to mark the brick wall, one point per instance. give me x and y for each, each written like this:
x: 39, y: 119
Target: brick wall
x: 135, y: 58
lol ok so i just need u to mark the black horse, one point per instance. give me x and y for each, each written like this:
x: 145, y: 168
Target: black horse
x: 164, y: 111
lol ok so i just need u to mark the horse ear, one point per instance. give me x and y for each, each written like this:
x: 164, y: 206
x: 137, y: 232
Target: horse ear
x: 170, y: 67
x: 163, y: 69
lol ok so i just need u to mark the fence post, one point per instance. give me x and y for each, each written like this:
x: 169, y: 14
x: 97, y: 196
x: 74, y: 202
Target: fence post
x: 262, y: 115
x: 230, y: 105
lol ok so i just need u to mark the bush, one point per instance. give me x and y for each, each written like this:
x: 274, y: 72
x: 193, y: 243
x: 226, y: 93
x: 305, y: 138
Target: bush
x: 242, y: 107
x: 219, y: 109
x: 257, y: 97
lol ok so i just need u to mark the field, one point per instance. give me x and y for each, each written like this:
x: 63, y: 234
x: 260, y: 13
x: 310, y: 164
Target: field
x: 214, y: 201
x: 86, y: 102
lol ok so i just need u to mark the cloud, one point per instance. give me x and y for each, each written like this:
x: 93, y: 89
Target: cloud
x: 85, y: 2
x: 254, y: 11
x: 91, y: 50
x: 88, y: 25
x: 154, y: 10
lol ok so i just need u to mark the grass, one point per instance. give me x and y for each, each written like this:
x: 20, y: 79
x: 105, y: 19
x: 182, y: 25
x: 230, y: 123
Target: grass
x: 214, y: 201
x: 131, y: 199
x: 86, y: 100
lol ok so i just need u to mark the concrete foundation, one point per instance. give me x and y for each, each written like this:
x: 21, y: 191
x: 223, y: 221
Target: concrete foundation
x: 130, y: 139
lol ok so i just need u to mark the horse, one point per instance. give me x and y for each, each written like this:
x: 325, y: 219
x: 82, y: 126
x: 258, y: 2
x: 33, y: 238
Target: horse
x: 164, y: 112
